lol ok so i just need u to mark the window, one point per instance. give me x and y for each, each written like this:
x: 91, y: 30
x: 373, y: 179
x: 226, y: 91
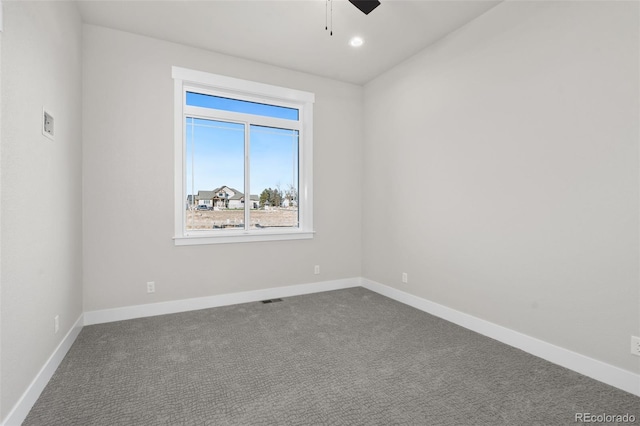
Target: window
x: 243, y: 160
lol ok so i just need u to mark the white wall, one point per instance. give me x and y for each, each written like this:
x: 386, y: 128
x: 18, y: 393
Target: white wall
x: 516, y: 137
x: 41, y: 241
x: 128, y: 180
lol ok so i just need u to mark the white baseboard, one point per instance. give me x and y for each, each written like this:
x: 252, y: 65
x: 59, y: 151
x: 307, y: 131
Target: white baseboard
x: 19, y: 411
x: 184, y: 305
x: 598, y: 370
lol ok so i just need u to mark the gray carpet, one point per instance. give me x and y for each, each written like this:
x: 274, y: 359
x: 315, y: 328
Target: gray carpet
x: 346, y: 357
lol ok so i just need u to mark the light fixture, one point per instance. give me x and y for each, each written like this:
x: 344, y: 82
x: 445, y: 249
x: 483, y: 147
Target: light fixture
x: 356, y: 42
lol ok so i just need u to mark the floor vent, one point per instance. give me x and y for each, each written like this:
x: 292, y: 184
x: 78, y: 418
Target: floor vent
x: 272, y: 301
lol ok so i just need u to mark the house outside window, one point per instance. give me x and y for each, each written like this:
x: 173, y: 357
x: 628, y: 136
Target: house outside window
x: 236, y: 139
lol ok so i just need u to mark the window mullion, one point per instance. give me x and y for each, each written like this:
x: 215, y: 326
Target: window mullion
x: 247, y: 181
x: 238, y: 116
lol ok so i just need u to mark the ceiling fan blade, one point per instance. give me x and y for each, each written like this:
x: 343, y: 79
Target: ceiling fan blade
x: 365, y: 6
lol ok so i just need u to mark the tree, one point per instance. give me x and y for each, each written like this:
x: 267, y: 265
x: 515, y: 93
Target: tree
x: 265, y: 197
x: 276, y: 198
x: 271, y: 197
x: 292, y: 195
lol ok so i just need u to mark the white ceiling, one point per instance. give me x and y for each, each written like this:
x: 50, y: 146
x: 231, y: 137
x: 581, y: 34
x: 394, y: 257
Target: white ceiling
x: 291, y: 34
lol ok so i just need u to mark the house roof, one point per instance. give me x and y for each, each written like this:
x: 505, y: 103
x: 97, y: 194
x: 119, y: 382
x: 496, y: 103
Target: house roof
x: 206, y: 195
x: 210, y: 195
x: 232, y: 189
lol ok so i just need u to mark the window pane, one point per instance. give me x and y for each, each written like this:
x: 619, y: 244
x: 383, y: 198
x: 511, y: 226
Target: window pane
x: 274, y: 177
x: 235, y: 105
x: 214, y: 169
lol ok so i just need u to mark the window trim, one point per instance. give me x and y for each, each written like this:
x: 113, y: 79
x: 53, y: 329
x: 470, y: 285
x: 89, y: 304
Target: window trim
x: 204, y: 82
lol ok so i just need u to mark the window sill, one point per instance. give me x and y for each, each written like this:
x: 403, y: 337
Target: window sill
x: 244, y: 237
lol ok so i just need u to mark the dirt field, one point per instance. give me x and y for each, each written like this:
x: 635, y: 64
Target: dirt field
x: 217, y: 219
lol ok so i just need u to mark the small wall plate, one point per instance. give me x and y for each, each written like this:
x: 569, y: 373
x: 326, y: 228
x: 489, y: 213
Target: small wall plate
x: 47, y: 124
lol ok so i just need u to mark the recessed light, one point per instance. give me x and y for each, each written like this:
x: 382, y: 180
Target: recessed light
x: 356, y: 42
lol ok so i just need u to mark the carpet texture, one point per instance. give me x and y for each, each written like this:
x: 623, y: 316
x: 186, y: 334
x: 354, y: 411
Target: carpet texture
x: 346, y: 357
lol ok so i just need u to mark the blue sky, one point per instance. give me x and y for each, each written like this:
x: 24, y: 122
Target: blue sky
x: 215, y: 149
x: 236, y: 105
x: 215, y: 156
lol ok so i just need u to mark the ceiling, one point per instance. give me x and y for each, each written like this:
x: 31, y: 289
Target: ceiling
x: 291, y: 33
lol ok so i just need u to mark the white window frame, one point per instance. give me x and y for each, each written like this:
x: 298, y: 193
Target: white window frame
x: 219, y: 85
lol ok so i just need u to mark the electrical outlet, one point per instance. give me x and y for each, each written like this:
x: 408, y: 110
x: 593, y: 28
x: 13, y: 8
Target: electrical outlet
x: 405, y: 277
x: 635, y: 345
x: 316, y: 269
x: 56, y: 323
x: 151, y: 287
